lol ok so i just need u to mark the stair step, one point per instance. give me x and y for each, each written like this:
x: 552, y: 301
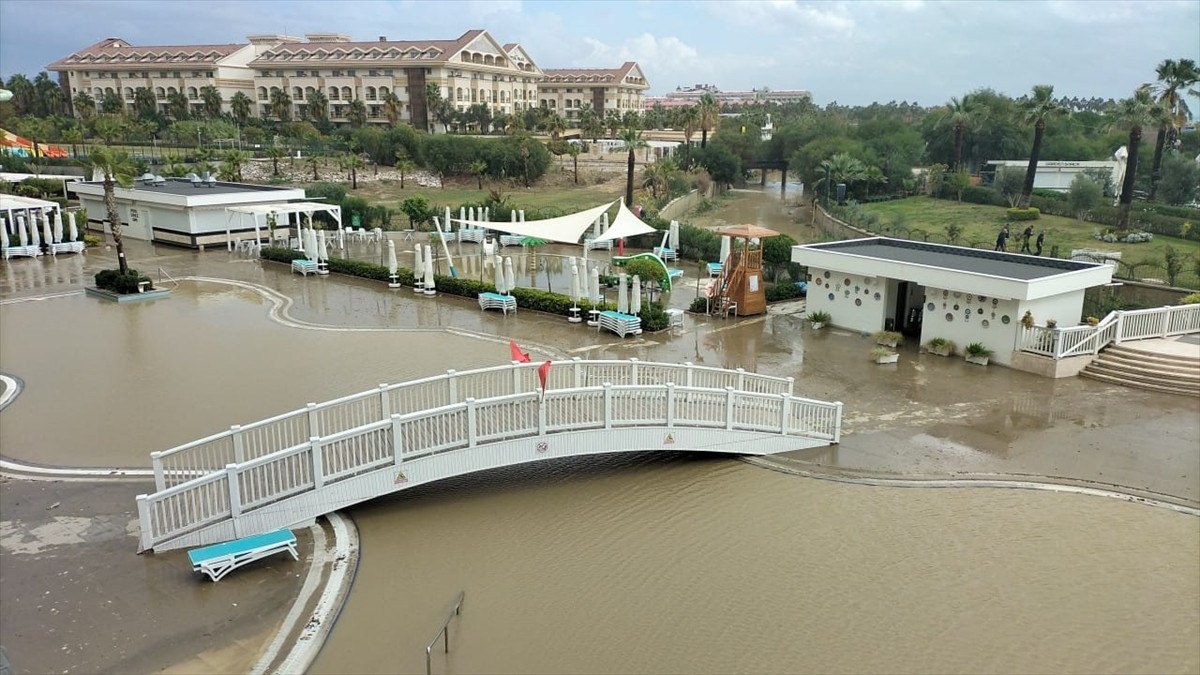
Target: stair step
x: 1144, y: 377
x: 1136, y: 367
x: 1138, y: 385
x: 1134, y: 353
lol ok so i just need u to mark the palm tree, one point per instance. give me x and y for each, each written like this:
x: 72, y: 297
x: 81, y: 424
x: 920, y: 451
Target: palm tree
x: 652, y: 177
x: 85, y: 106
x: 612, y: 120
x: 479, y: 167
x: 403, y: 164
x: 874, y: 176
x: 841, y: 168
x: 73, y: 136
x: 357, y: 115
x: 1133, y: 113
x: 111, y: 103
x: 433, y: 105
x: 573, y: 150
x: 211, y: 96
x: 281, y: 105
x: 275, y: 153
x: 556, y: 125
x: 691, y: 124
x: 240, y: 106
x: 632, y: 140
x: 177, y: 105
x: 1035, y: 110
x: 314, y: 162
x: 118, y: 168
x: 234, y: 159
x: 960, y: 114
x: 354, y: 162
x: 514, y: 124
x: 709, y: 113
x: 1174, y: 77
x: 318, y: 107
x: 589, y: 122
x: 145, y: 106
x: 173, y: 165
x: 392, y: 107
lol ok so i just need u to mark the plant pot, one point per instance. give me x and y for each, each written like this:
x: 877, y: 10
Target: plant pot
x: 817, y: 326
x: 938, y: 351
x: 890, y: 358
x: 977, y: 360
x: 890, y: 344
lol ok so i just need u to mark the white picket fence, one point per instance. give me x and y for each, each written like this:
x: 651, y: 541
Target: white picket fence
x: 1119, y: 326
x: 307, y: 478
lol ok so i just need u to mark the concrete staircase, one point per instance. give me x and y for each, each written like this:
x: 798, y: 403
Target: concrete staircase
x: 1126, y: 365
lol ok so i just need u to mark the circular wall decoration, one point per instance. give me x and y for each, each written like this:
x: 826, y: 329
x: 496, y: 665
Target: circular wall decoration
x: 832, y: 296
x: 930, y: 306
x: 846, y: 292
x: 858, y: 302
x: 808, y: 277
x: 986, y: 323
x: 949, y: 316
x: 1004, y: 319
x: 846, y: 282
x: 818, y: 281
x: 857, y: 289
x: 979, y: 311
x: 945, y: 294
x: 995, y: 301
x: 828, y: 274
x: 880, y: 297
x: 957, y: 294
x: 956, y: 306
x: 981, y: 298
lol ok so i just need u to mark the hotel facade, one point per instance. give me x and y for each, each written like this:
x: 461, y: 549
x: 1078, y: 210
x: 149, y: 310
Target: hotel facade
x: 472, y: 69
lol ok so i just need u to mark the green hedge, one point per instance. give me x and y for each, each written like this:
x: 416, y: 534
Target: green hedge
x: 1030, y: 213
x: 780, y: 292
x: 113, y: 280
x: 280, y: 254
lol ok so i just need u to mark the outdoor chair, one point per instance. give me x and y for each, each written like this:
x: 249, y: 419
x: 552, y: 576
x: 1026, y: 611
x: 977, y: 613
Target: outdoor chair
x: 221, y: 559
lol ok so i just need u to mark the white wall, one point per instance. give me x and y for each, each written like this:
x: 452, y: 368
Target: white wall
x: 860, y: 305
x: 971, y: 320
x: 1065, y: 308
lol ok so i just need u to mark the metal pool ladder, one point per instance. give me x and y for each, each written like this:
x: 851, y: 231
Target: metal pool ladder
x: 443, y: 632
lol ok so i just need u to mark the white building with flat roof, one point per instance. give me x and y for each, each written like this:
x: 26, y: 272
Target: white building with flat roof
x: 927, y: 291
x: 179, y: 211
x: 1057, y: 174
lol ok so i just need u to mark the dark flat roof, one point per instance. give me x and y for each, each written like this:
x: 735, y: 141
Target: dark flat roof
x: 180, y: 186
x: 959, y: 258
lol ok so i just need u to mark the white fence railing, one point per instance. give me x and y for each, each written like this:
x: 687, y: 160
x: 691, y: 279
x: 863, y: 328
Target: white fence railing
x: 1117, y: 327
x: 241, y: 443
x: 241, y: 487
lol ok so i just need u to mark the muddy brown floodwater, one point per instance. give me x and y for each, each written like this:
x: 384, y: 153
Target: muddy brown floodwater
x: 683, y: 564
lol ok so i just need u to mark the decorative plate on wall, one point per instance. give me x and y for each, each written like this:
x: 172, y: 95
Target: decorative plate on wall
x: 979, y: 311
x: 956, y: 306
x: 929, y: 307
x: 949, y: 316
x: 995, y: 301
x: 832, y: 296
x: 1004, y: 319
x: 858, y: 302
x: 828, y: 274
x: 818, y: 281
x: 986, y: 323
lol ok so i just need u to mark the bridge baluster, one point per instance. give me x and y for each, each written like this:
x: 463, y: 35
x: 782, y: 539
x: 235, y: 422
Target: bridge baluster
x: 452, y: 386
x: 397, y: 440
x: 608, y: 404
x: 785, y: 411
x: 385, y: 402
x: 670, y: 404
x: 318, y: 469
x: 314, y: 428
x: 472, y: 432
x: 578, y: 363
x: 729, y: 407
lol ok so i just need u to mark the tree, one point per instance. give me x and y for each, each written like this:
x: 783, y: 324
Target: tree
x: 281, y: 105
x: 109, y: 127
x: 556, y: 125
x: 392, y: 107
x: 652, y: 177
x: 211, y: 96
x: 275, y: 153
x: 314, y: 163
x: 1174, y: 77
x: 433, y: 105
x: 631, y: 140
x: 691, y: 124
x: 85, y: 106
x: 234, y: 160
x: 478, y: 168
x: 403, y: 165
x: 573, y: 149
x: 1036, y: 110
x: 24, y: 95
x: 959, y: 180
x: 960, y: 114
x: 873, y: 177
x: 145, y: 106
x: 354, y: 162
x: 117, y: 168
x: 73, y: 135
x: 177, y: 105
x: 240, y: 107
x: 317, y: 108
x: 612, y: 120
x: 842, y: 168
x: 1084, y: 196
x: 444, y: 113
x: 589, y: 122
x: 111, y: 103
x: 1134, y: 114
x: 1181, y: 179
x: 1010, y: 183
x: 708, y: 112
x: 357, y: 115
x: 417, y: 209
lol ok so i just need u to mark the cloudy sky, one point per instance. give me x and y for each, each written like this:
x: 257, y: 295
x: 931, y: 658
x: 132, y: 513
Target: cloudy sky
x: 851, y: 52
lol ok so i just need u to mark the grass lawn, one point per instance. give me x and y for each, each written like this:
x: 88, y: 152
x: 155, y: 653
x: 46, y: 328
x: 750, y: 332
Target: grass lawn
x: 981, y: 223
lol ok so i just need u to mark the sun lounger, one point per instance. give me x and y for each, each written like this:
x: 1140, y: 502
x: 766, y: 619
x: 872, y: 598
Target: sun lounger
x: 475, y: 234
x: 510, y: 239
x: 592, y: 245
x: 19, y: 251
x: 666, y: 253
x: 221, y: 559
x: 714, y: 269
x: 305, y: 267
x: 67, y: 247
x: 504, y: 303
x: 621, y: 324
x: 674, y: 273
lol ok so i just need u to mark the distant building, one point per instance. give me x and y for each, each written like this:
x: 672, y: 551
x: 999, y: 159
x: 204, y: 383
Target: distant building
x: 1053, y: 174
x: 686, y: 96
x: 567, y: 90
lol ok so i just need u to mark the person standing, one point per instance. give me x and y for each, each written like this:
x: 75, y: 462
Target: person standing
x: 1041, y: 239
x: 1002, y: 240
x: 1025, y: 237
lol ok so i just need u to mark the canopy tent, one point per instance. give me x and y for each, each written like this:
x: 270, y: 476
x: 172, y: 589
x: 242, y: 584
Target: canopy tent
x: 564, y: 229
x: 624, y: 225
x: 747, y: 232
x: 15, y: 203
x: 264, y: 210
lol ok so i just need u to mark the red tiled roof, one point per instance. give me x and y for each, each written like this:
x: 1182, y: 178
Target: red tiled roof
x: 589, y: 74
x: 115, y: 51
x: 447, y: 48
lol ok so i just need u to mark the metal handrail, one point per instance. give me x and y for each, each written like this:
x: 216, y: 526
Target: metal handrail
x: 444, y: 631
x: 163, y: 273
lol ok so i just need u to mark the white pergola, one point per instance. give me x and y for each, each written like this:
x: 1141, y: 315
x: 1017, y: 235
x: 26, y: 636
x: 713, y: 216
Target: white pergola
x: 568, y: 229
x: 300, y: 209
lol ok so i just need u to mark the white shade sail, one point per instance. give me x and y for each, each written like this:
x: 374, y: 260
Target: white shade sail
x: 564, y: 229
x: 624, y: 225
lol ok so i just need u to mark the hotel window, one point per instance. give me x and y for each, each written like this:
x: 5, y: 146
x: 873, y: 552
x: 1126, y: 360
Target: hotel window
x: 350, y: 73
x: 337, y: 73
x: 300, y: 73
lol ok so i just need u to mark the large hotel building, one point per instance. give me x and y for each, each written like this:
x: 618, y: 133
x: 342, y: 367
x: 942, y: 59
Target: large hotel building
x: 472, y: 69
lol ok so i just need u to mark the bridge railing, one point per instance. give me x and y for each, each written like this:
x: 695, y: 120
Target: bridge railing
x: 241, y: 443
x: 1119, y: 326
x: 241, y: 487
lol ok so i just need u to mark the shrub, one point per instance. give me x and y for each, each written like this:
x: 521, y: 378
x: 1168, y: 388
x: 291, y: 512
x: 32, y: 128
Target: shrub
x: 780, y: 292
x: 91, y: 240
x: 819, y: 317
x: 280, y: 254
x: 1192, y: 299
x: 700, y: 304
x: 1031, y: 213
x: 888, y: 336
x: 653, y: 316
x: 113, y: 280
x: 978, y: 349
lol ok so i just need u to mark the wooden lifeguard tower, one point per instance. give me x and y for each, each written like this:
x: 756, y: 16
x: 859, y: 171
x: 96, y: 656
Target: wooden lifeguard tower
x: 740, y: 290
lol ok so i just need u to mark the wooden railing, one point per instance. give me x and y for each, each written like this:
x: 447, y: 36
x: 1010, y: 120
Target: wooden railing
x: 1117, y: 327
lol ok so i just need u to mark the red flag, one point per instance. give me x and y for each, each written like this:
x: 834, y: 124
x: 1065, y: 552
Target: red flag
x: 543, y: 374
x: 517, y: 354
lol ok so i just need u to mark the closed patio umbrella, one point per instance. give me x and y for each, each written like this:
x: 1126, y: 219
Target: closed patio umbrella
x: 3, y: 233
x: 724, y: 249
x: 596, y: 286
x: 71, y: 228
x: 34, y: 238
x: 622, y: 293
x: 393, y: 266
x: 575, y: 294
x: 430, y: 285
x: 58, y: 229
x: 510, y: 279
x: 498, y: 269
x: 635, y: 300
x: 22, y: 238
x: 674, y: 235
x: 322, y: 251
x: 47, y: 230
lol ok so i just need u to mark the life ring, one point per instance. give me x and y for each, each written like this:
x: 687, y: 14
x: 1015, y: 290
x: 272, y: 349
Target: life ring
x: 710, y: 291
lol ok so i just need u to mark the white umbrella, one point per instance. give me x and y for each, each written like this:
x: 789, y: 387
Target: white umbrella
x: 322, y: 252
x: 3, y: 233
x: 447, y: 218
x: 58, y: 231
x: 674, y: 235
x: 462, y: 214
x: 430, y: 286
x: 595, y: 286
x: 622, y: 294
x: 34, y: 238
x: 724, y: 249
x: 393, y: 266
x: 499, y: 271
x: 510, y: 279
x: 310, y: 245
x: 635, y: 300
x: 522, y: 212
x: 512, y: 215
x: 47, y: 231
x: 596, y: 228
x: 71, y: 228
x: 341, y: 235
x: 21, y: 236
x: 575, y: 294
x: 257, y: 233
x: 418, y: 268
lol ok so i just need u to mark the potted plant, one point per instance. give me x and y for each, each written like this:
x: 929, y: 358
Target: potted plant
x: 888, y: 338
x: 819, y: 319
x: 1027, y: 320
x: 1051, y: 324
x: 884, y: 355
x: 1092, y: 321
x: 977, y: 353
x: 940, y: 346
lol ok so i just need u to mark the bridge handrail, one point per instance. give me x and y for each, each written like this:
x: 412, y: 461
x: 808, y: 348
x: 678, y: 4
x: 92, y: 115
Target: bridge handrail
x: 1117, y: 327
x: 242, y: 442
x: 242, y: 487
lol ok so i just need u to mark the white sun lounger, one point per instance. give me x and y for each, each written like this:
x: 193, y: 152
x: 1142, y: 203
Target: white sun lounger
x: 592, y: 244
x: 221, y: 559
x: 510, y: 239
x: 504, y: 303
x: 621, y: 324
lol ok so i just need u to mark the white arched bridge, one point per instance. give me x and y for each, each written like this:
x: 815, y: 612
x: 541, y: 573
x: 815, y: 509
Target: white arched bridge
x: 293, y: 467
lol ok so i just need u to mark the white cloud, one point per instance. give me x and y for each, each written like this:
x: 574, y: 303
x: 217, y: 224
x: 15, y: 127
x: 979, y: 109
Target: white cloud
x: 786, y: 14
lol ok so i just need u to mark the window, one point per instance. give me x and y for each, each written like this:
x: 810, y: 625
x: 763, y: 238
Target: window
x: 297, y: 94
x: 175, y: 74
x: 300, y: 73
x: 373, y: 73
x: 195, y: 73
x: 333, y: 93
x: 350, y: 73
x: 264, y: 73
x: 337, y: 73
x: 388, y: 72
x: 262, y: 93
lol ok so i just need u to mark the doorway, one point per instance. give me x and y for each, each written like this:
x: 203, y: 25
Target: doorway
x: 909, y: 309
